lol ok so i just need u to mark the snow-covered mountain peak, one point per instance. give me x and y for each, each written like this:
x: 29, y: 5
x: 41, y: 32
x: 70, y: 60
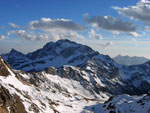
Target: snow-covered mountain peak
x: 56, y: 54
x: 66, y: 42
x: 13, y: 54
x: 66, y: 45
x: 13, y: 51
x: 63, y: 43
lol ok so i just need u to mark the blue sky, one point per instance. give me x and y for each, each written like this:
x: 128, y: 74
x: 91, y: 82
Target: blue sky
x: 109, y: 26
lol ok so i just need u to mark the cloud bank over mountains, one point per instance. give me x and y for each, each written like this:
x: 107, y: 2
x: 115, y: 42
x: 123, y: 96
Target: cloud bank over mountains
x: 55, y: 29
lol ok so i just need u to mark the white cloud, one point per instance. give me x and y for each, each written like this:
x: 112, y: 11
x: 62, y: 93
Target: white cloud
x: 110, y: 23
x: 47, y: 28
x: 28, y: 35
x: 13, y: 25
x: 141, y: 11
x: 71, y: 35
x: 67, y: 35
x: 116, y: 32
x: 45, y: 36
x: 147, y: 28
x: 48, y: 24
x: 133, y: 39
x: 107, y: 44
x: 2, y: 37
x: 94, y: 35
x: 134, y: 34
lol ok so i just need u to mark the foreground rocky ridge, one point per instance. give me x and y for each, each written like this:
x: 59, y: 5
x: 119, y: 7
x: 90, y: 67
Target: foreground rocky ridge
x: 9, y: 103
x: 44, y: 92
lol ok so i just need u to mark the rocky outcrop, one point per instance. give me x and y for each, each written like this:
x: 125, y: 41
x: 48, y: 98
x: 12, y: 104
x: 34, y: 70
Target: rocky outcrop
x: 51, y: 70
x: 3, y: 68
x: 10, y: 103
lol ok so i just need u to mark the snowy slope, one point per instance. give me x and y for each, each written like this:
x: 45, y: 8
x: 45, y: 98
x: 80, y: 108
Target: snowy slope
x: 65, y: 92
x: 46, y: 93
x: 122, y: 104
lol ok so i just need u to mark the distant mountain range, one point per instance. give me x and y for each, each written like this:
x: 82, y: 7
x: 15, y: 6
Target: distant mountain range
x: 67, y: 77
x: 127, y: 60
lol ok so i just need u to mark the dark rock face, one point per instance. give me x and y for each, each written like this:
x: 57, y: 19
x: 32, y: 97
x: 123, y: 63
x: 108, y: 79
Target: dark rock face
x: 3, y: 69
x: 6, y: 99
x: 51, y: 70
x: 12, y: 101
x: 67, y: 52
x: 4, y: 96
x: 69, y: 72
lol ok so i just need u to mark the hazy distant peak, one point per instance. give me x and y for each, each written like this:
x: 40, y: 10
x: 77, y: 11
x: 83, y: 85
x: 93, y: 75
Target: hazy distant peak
x: 128, y: 60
